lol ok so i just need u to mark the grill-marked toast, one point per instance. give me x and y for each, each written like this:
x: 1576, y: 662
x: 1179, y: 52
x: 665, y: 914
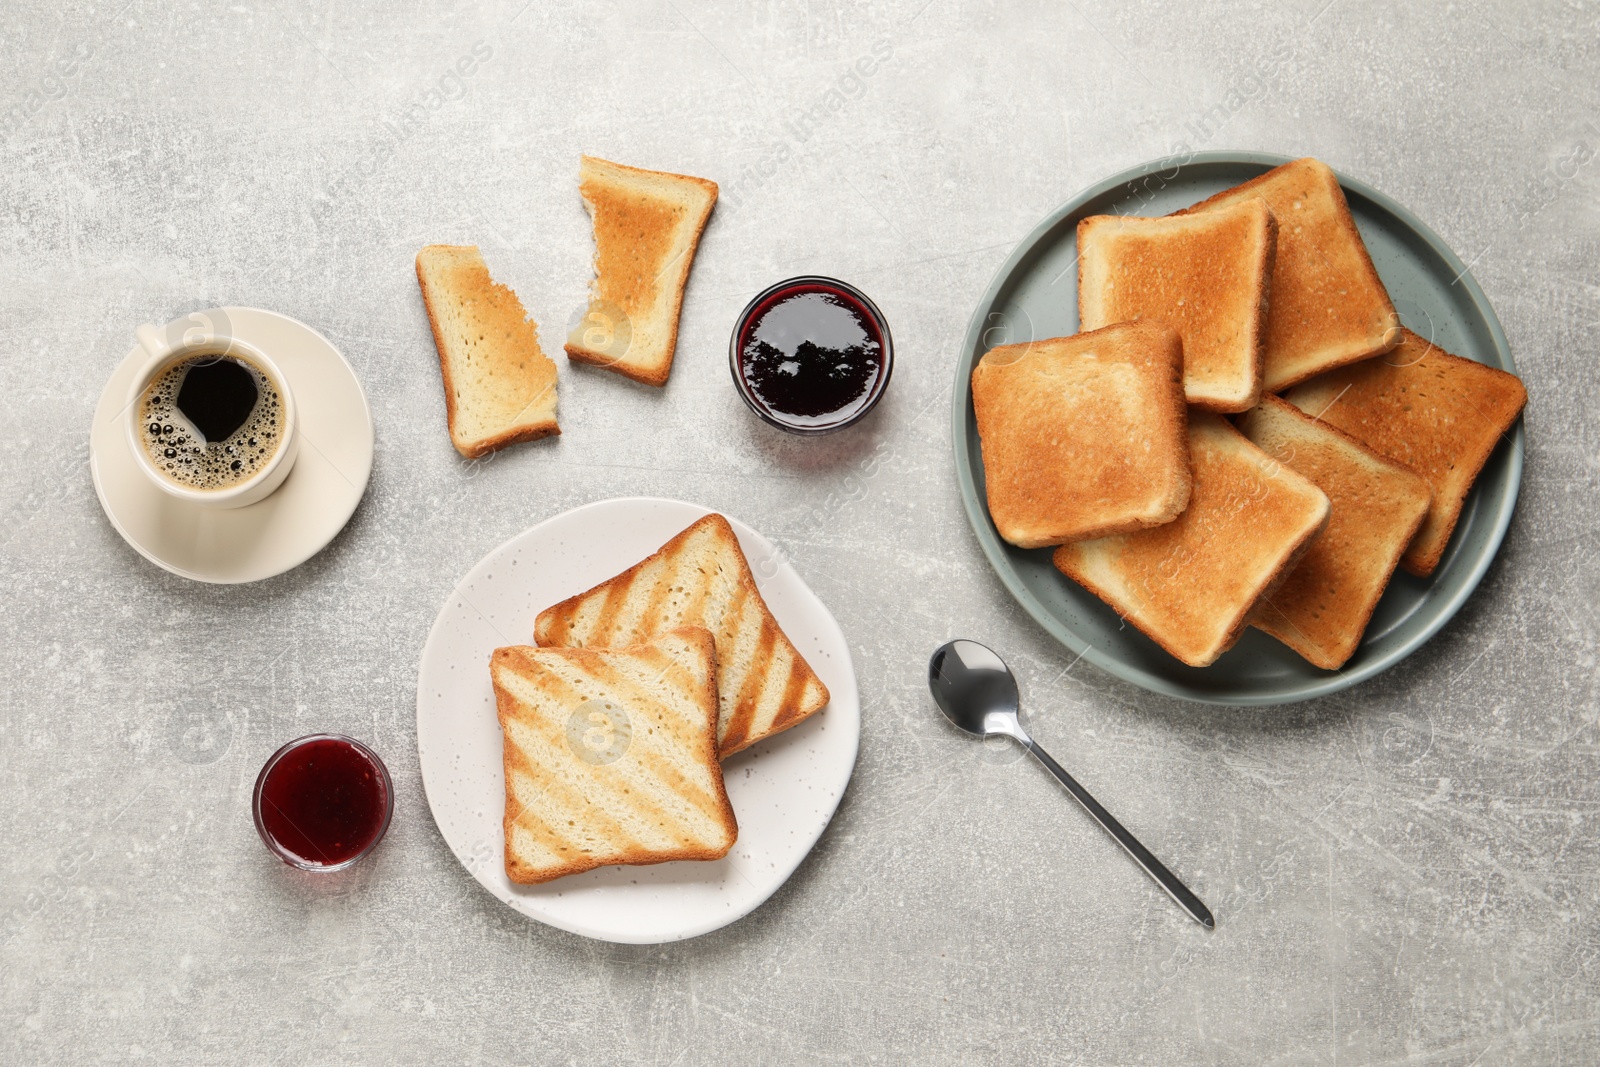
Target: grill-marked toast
x: 1190, y: 584
x: 1322, y: 608
x: 1205, y: 275
x: 1439, y: 414
x: 1328, y: 306
x: 647, y: 225
x: 701, y: 578
x: 1083, y: 436
x: 611, y: 756
x: 499, y: 386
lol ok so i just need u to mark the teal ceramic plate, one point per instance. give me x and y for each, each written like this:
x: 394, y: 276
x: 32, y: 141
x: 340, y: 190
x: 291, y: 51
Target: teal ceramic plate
x: 1035, y: 295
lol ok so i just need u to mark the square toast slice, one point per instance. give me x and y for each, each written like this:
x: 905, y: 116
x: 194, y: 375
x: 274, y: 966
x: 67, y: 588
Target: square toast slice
x: 647, y: 225
x: 1189, y: 585
x: 1083, y: 436
x: 1437, y: 413
x: 1375, y: 507
x: 499, y: 386
x: 1328, y: 305
x: 1205, y: 275
x: 701, y: 578
x: 611, y: 756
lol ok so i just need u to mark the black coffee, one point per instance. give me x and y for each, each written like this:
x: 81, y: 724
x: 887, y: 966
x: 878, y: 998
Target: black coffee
x: 217, y: 398
x: 211, y: 421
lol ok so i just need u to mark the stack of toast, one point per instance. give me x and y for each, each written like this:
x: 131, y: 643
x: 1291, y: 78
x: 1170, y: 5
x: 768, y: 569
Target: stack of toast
x: 1352, y: 446
x: 499, y: 385
x: 615, y: 725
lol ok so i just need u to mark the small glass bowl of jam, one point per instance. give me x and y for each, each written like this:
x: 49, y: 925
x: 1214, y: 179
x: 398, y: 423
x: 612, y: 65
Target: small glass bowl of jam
x: 811, y: 355
x: 323, y: 802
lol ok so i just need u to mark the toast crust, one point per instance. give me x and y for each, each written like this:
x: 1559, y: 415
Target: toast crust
x: 1207, y: 275
x: 1322, y: 608
x: 1329, y: 308
x: 1189, y: 585
x: 683, y: 646
x: 480, y: 287
x: 764, y: 692
x: 1083, y: 436
x: 1439, y: 414
x: 638, y: 216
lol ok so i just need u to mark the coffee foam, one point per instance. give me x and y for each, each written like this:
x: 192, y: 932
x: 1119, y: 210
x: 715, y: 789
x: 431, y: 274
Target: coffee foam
x: 183, y: 455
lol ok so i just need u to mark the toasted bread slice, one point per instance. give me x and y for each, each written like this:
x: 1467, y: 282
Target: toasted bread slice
x: 1328, y: 306
x: 1436, y: 413
x: 647, y: 225
x: 1083, y: 436
x: 1190, y: 584
x: 1375, y: 507
x: 701, y: 578
x: 611, y: 756
x: 1205, y: 275
x: 499, y: 386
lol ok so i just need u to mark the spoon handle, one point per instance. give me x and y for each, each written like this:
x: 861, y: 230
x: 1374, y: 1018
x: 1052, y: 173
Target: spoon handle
x: 1141, y: 855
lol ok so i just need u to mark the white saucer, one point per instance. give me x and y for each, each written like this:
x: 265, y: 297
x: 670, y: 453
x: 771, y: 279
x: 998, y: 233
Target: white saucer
x: 276, y: 534
x: 784, y: 790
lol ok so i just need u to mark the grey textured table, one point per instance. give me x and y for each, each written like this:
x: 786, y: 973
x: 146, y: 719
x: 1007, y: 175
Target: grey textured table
x: 1404, y: 874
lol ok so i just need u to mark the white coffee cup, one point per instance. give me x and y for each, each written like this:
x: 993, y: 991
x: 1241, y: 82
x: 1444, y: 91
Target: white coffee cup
x: 173, y: 344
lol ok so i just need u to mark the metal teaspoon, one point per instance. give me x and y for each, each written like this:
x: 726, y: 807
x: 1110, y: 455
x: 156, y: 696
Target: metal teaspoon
x: 976, y: 691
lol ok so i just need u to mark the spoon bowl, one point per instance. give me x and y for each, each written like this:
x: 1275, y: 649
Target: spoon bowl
x: 975, y: 689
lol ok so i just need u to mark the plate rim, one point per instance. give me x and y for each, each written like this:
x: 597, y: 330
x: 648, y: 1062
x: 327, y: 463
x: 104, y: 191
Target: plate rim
x: 713, y: 923
x: 989, y: 539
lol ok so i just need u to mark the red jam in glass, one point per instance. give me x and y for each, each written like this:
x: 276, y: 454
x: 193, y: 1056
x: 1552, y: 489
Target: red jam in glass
x: 322, y: 802
x: 811, y: 355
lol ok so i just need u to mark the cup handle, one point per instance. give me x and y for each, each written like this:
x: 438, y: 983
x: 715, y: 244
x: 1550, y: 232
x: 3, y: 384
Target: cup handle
x: 154, y: 345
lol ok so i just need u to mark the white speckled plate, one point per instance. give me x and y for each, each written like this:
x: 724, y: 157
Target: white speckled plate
x: 784, y: 790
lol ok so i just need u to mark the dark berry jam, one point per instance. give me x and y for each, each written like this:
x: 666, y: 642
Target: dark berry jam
x: 322, y: 802
x: 811, y: 355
